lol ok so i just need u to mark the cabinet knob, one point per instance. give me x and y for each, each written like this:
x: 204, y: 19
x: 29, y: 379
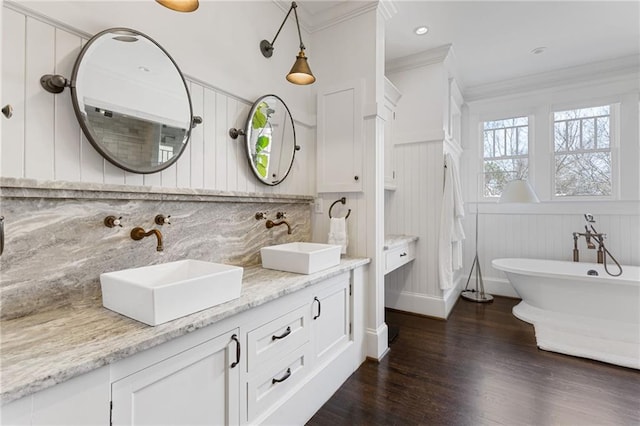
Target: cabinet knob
x: 7, y: 111
x: 356, y: 178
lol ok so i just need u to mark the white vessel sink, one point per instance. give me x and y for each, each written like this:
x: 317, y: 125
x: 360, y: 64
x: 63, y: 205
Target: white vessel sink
x: 302, y: 258
x: 160, y: 293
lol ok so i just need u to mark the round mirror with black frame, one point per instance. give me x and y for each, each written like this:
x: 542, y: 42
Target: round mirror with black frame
x: 131, y: 100
x: 270, y: 140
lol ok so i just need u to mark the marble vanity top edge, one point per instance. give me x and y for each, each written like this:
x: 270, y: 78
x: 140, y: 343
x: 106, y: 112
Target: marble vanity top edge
x: 32, y: 188
x: 45, y: 349
x: 393, y: 241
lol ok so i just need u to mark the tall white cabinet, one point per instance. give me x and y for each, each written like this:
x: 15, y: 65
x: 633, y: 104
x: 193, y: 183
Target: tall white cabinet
x: 340, y: 142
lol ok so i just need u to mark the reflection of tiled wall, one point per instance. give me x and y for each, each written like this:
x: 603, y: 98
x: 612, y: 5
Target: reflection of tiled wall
x: 56, y: 244
x: 131, y: 140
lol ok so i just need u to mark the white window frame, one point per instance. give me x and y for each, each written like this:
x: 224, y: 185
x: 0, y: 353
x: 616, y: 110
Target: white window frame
x: 481, y: 159
x: 614, y: 126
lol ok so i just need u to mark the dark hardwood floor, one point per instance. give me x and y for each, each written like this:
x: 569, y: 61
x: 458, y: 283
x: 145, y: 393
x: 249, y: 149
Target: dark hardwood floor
x: 480, y: 367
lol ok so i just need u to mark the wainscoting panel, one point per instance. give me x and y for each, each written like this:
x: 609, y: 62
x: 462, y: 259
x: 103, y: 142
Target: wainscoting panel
x: 43, y: 140
x: 414, y: 209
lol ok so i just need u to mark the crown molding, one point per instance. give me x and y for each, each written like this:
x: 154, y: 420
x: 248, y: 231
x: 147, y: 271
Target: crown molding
x: 388, y: 9
x: 422, y: 59
x: 611, y: 69
x: 332, y: 15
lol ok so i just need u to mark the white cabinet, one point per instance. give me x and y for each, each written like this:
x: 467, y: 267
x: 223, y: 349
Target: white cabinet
x: 331, y: 318
x: 199, y: 386
x: 339, y: 138
x: 274, y: 364
x: 398, y: 256
x: 391, y: 97
x: 81, y: 401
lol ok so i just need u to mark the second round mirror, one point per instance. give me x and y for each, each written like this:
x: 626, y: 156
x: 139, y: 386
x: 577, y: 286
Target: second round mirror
x: 270, y: 139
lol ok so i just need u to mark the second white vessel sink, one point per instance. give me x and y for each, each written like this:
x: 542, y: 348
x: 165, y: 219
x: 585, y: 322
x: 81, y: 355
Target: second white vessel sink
x: 301, y: 258
x: 160, y: 293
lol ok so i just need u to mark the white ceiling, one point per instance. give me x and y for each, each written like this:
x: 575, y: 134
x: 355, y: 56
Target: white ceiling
x: 492, y: 40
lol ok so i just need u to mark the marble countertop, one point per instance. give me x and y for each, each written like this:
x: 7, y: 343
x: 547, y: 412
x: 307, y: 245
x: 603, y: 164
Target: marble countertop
x: 50, y: 347
x: 393, y: 241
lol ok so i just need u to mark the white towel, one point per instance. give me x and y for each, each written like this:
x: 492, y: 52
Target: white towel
x: 451, y: 231
x: 338, y: 233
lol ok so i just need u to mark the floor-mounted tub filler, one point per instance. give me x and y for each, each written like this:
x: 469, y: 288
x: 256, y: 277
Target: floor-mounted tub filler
x: 578, y: 309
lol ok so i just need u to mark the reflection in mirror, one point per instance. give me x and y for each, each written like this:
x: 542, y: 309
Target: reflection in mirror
x: 131, y: 100
x: 271, y: 139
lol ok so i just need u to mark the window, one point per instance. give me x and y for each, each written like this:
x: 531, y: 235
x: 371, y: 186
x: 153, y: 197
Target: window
x: 582, y: 152
x: 506, y: 153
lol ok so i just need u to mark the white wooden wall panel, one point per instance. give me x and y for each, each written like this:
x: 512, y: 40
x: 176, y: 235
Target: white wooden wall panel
x: 43, y: 140
x: 13, y: 81
x: 209, y: 138
x: 414, y: 209
x: 197, y: 138
x: 39, y: 115
x: 67, y: 129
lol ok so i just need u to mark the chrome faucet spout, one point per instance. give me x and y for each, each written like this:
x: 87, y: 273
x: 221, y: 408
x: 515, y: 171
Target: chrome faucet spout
x: 270, y: 224
x: 138, y: 233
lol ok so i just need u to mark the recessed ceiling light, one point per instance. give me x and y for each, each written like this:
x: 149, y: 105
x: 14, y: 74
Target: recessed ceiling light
x: 538, y: 50
x: 421, y: 30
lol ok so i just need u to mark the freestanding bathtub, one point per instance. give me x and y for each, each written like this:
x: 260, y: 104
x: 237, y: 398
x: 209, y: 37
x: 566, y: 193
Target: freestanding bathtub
x: 578, y: 314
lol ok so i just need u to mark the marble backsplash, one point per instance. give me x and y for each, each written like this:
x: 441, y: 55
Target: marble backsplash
x: 56, y: 243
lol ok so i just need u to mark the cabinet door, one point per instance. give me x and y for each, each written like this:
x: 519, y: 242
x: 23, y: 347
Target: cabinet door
x: 331, y: 319
x: 340, y: 145
x: 195, y: 387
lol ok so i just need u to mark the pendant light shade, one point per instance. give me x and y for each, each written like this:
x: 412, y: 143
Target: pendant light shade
x: 180, y: 5
x: 300, y: 72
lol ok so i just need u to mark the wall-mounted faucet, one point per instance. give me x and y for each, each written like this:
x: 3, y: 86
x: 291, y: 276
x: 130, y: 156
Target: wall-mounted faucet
x: 270, y: 224
x: 138, y: 233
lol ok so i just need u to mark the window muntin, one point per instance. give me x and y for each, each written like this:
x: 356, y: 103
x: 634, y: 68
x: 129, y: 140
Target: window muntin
x: 582, y: 145
x: 506, y: 153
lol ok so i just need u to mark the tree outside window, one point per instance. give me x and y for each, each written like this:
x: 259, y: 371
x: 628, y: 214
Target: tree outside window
x: 506, y: 153
x: 582, y: 148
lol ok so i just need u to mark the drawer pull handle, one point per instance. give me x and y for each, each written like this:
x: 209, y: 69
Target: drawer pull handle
x: 403, y: 254
x: 237, y: 361
x: 285, y: 377
x: 315, y: 299
x: 283, y: 335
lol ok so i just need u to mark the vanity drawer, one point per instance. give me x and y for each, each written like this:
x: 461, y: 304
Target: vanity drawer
x: 398, y: 256
x: 277, y: 338
x: 274, y: 382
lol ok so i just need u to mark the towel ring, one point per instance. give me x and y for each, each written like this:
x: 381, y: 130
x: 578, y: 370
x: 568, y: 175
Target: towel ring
x: 342, y: 200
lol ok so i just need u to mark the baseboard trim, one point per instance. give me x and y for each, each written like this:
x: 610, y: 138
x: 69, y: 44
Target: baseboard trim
x: 377, y: 342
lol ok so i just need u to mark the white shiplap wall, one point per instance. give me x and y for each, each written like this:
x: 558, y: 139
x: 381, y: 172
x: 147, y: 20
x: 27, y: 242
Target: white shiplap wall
x: 414, y: 209
x: 44, y: 141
